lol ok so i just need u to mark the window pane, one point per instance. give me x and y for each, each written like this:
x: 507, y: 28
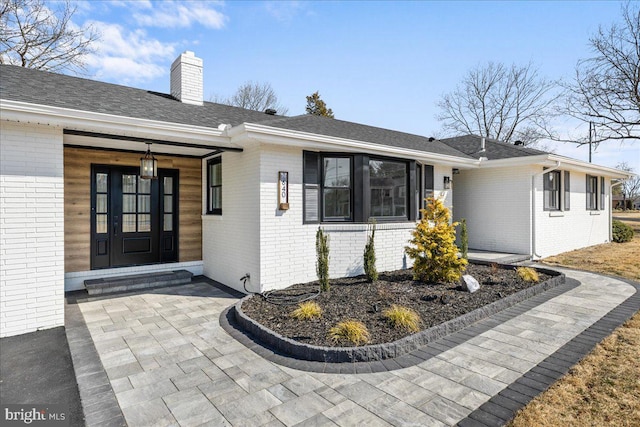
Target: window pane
x: 144, y: 186
x: 128, y: 203
x: 337, y: 172
x: 101, y: 224
x: 129, y: 183
x: 168, y: 185
x: 101, y: 182
x: 144, y: 222
x: 215, y: 174
x: 168, y: 222
x: 144, y: 204
x: 101, y: 203
x: 337, y: 203
x: 129, y: 223
x: 168, y: 203
x: 215, y: 197
x: 388, y: 183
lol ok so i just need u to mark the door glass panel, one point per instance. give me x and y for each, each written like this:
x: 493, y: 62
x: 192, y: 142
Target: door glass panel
x: 168, y: 222
x: 168, y: 204
x: 101, y: 224
x: 144, y: 204
x: 144, y: 222
x: 129, y: 223
x: 129, y: 183
x: 128, y: 203
x: 168, y: 185
x: 101, y: 182
x: 101, y: 203
x: 144, y: 186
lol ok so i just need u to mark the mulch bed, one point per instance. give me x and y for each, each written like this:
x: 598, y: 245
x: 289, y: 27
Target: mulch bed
x: 356, y: 298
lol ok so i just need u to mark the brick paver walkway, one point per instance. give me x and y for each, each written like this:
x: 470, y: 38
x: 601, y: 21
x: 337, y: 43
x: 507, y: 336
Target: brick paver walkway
x: 168, y: 362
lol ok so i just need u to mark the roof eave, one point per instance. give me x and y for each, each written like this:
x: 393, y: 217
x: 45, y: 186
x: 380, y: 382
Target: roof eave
x: 312, y: 141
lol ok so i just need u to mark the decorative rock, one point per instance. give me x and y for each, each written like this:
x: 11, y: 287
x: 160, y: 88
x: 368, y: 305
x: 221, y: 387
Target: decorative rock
x: 470, y: 283
x: 445, y: 299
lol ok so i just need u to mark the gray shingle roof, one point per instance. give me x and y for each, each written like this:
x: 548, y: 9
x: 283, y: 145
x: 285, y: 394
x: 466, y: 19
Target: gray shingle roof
x: 494, y: 149
x: 40, y: 87
x: 355, y: 131
x: 58, y: 90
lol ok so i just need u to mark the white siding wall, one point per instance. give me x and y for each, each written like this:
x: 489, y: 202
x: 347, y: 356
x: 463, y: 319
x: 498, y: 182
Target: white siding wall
x: 496, y: 205
x: 231, y: 241
x: 31, y: 228
x: 558, y: 232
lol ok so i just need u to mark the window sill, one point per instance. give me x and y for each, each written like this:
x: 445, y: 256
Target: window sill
x: 555, y: 214
x: 594, y: 212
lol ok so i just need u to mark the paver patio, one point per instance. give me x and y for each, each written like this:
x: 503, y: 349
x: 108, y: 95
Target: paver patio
x: 169, y: 362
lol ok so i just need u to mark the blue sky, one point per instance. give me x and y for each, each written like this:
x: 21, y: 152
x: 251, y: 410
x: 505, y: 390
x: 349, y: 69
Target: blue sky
x: 380, y: 63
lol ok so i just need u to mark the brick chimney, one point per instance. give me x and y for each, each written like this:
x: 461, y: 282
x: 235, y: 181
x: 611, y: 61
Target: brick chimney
x: 186, y: 78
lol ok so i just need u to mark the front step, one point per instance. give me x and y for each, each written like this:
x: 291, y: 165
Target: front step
x: 109, y: 285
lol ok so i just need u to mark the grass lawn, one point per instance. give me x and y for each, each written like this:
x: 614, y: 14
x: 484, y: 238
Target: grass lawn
x: 604, y: 388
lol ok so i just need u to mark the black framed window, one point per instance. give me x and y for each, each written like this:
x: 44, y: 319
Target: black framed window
x: 552, y: 191
x: 388, y: 188
x: 341, y: 187
x: 601, y: 201
x: 592, y: 193
x: 336, y: 189
x: 214, y: 186
x: 567, y: 190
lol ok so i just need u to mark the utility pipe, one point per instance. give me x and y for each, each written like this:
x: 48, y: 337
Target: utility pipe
x: 532, y: 195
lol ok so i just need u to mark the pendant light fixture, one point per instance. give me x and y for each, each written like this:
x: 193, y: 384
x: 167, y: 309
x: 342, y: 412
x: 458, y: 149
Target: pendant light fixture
x: 148, y: 165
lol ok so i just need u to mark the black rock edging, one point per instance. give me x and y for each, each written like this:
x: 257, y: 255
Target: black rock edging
x: 394, y: 349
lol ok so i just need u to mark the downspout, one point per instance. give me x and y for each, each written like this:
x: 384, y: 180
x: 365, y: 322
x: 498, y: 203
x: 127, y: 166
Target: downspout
x: 532, y: 223
x: 611, y: 206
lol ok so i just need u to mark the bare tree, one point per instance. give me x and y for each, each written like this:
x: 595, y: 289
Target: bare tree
x: 34, y: 36
x: 605, y: 91
x: 258, y: 96
x: 630, y: 188
x: 507, y: 103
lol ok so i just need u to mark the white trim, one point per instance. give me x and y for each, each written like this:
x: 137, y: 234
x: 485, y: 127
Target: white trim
x: 110, y: 124
x: 74, y: 281
x: 307, y: 140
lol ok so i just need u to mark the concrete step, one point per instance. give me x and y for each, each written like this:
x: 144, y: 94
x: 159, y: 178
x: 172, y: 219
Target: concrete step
x: 108, y: 285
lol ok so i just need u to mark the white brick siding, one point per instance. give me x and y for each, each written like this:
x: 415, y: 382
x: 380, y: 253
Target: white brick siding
x: 231, y: 241
x: 495, y: 203
x: 186, y: 79
x: 31, y: 228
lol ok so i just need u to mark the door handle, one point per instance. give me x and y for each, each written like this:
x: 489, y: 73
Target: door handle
x: 115, y: 225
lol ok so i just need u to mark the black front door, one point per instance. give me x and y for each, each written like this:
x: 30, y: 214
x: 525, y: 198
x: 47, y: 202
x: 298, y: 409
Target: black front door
x: 134, y: 220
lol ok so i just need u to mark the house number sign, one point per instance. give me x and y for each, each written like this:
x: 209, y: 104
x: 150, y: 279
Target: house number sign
x: 283, y: 190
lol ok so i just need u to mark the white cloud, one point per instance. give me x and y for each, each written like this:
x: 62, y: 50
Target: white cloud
x: 128, y: 56
x: 284, y: 11
x: 173, y: 14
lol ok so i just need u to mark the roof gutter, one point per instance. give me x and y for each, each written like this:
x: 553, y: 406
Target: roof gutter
x: 306, y: 140
x: 532, y: 223
x: 88, y: 121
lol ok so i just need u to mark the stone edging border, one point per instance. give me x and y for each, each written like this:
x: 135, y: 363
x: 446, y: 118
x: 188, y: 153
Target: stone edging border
x: 394, y: 349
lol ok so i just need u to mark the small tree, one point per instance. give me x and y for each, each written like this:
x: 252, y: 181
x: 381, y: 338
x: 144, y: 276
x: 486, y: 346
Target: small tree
x: 322, y: 264
x: 370, y: 256
x: 464, y: 239
x: 317, y: 106
x: 433, y: 249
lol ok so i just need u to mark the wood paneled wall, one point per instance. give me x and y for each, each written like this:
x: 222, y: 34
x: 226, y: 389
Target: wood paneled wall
x: 77, y: 202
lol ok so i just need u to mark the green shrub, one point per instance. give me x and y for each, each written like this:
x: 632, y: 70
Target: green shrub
x: 322, y: 264
x: 433, y: 248
x: 370, y: 256
x: 528, y: 274
x: 352, y: 331
x: 464, y: 239
x: 307, y: 310
x: 621, y: 232
x: 403, y: 318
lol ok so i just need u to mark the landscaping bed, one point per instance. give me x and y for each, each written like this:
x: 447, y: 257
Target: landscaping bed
x: 443, y: 308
